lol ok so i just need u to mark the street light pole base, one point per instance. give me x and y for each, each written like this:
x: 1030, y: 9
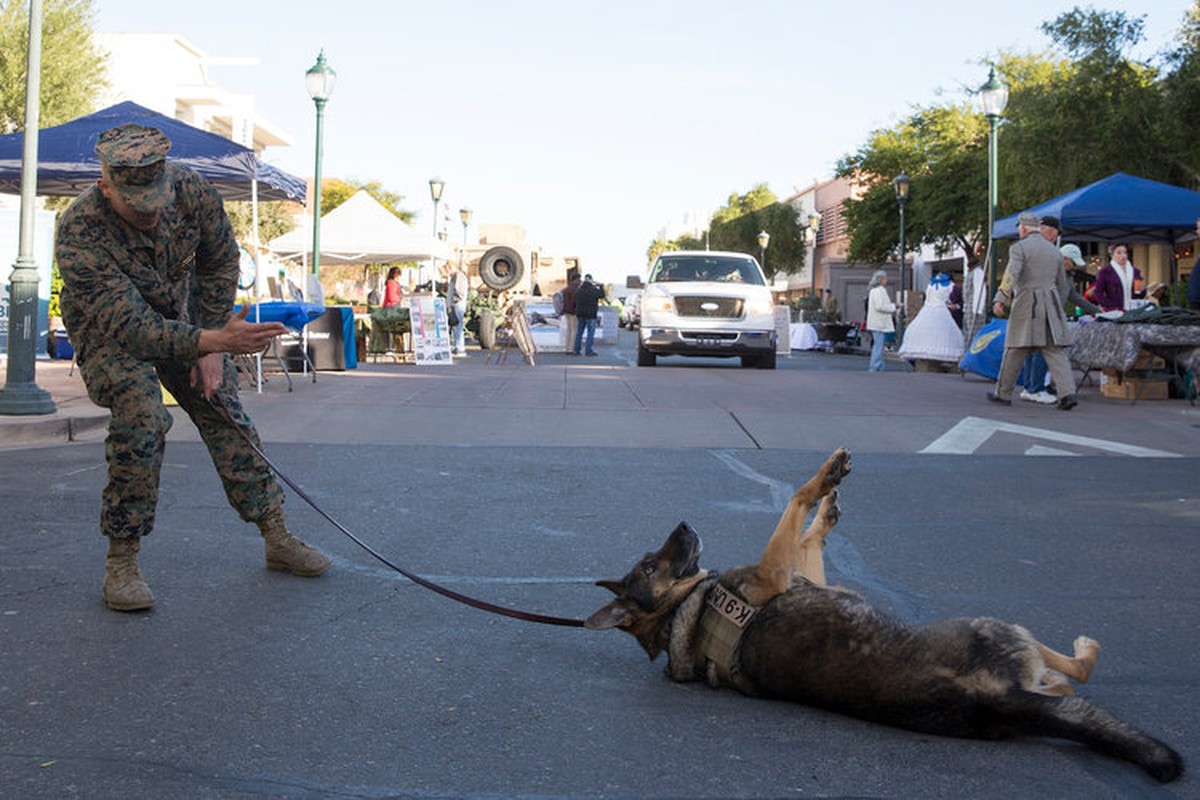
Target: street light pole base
x: 25, y: 399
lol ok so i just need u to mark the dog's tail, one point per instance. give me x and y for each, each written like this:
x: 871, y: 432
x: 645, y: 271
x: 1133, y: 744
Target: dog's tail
x: 1073, y: 718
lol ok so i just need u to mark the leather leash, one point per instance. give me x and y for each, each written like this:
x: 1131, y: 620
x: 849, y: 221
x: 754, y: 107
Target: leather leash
x: 473, y: 602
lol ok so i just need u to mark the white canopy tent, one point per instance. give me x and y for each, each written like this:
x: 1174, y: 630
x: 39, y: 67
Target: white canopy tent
x: 361, y: 231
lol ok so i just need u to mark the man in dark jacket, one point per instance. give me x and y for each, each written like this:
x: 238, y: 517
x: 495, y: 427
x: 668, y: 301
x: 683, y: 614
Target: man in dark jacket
x: 587, y: 309
x: 568, y: 309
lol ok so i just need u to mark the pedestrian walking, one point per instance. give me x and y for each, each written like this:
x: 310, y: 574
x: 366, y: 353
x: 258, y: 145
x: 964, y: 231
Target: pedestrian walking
x: 1031, y: 296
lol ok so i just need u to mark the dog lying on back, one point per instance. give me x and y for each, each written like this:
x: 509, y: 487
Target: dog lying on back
x: 775, y: 629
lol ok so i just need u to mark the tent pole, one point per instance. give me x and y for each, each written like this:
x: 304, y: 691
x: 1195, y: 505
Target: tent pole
x: 257, y: 289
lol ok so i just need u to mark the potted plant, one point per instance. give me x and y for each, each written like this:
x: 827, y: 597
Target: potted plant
x: 483, y: 311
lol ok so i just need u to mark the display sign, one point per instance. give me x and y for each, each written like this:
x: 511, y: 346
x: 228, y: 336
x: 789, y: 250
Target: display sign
x: 547, y: 330
x: 783, y: 330
x: 430, y: 329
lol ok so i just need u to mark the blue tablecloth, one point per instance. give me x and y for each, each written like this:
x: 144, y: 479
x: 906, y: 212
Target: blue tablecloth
x: 293, y: 314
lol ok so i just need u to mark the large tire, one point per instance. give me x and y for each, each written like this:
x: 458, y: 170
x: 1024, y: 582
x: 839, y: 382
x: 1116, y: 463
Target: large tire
x: 487, y: 329
x: 501, y: 268
x: 644, y: 357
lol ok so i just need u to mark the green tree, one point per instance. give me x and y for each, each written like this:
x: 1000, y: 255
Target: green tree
x: 72, y: 65
x: 1091, y: 114
x: 1076, y: 113
x: 335, y: 191
x: 736, y: 225
x: 657, y: 248
x: 1181, y: 90
x: 943, y: 150
x: 274, y: 219
x: 684, y: 242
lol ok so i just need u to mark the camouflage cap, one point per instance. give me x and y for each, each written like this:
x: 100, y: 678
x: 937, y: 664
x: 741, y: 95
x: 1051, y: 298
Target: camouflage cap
x: 135, y: 159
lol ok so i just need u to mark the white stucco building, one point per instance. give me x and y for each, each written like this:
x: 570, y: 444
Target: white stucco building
x: 167, y: 73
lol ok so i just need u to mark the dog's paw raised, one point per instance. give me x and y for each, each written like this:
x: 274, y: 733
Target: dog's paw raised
x: 830, y: 512
x: 836, y: 467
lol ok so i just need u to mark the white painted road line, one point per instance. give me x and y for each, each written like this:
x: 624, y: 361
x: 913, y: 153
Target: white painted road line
x: 972, y: 432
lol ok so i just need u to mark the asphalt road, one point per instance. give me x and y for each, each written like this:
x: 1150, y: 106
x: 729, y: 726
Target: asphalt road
x: 522, y: 486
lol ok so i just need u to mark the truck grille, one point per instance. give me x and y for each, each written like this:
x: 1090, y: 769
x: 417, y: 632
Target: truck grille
x: 709, y: 307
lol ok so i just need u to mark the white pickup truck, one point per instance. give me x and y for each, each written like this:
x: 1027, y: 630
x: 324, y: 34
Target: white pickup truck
x: 706, y: 303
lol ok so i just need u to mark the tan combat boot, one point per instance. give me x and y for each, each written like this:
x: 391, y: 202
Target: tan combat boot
x: 287, y: 553
x: 124, y: 589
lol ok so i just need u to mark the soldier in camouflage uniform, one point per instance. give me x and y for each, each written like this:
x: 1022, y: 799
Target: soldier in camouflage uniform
x: 149, y: 266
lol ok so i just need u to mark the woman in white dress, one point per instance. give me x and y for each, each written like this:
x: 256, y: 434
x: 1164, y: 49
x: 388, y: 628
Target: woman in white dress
x: 933, y: 335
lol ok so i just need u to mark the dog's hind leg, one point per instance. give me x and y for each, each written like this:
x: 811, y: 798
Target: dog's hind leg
x: 811, y: 564
x: 1079, y: 668
x: 787, y: 552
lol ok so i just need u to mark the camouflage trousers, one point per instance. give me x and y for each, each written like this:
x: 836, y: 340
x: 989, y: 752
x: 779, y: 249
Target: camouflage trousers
x: 137, y: 436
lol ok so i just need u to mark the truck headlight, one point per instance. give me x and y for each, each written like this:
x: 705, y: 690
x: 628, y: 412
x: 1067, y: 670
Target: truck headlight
x: 759, y: 305
x: 660, y: 303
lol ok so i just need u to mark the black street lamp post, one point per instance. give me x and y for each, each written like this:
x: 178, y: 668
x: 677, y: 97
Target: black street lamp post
x: 902, y: 184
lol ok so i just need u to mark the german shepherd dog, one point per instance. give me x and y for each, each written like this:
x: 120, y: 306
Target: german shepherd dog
x: 775, y: 629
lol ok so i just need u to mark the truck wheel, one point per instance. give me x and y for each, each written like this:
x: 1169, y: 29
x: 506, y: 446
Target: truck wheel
x: 501, y: 268
x: 644, y: 357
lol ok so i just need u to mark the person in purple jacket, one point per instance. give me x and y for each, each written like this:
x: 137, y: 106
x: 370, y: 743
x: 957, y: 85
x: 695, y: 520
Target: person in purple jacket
x: 1119, y: 282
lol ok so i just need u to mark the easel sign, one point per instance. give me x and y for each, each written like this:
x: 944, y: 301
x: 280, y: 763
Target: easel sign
x: 430, y: 331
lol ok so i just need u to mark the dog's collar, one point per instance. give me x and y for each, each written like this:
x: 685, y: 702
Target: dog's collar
x: 725, y: 617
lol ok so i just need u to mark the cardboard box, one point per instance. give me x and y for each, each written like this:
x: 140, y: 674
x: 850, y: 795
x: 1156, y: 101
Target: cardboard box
x: 1147, y: 360
x: 1133, y: 388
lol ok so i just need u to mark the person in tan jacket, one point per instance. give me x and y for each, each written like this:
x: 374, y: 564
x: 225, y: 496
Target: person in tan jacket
x: 1032, y: 297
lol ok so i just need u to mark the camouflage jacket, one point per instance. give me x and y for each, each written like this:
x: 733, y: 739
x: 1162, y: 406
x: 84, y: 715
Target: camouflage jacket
x: 148, y: 292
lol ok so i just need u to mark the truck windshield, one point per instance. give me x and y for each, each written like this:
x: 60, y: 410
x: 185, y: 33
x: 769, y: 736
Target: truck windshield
x: 710, y: 269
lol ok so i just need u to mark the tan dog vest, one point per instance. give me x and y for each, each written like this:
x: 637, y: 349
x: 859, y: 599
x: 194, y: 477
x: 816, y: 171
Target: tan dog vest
x: 725, y: 617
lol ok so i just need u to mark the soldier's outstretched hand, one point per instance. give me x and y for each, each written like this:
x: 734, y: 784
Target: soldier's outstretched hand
x: 240, y: 336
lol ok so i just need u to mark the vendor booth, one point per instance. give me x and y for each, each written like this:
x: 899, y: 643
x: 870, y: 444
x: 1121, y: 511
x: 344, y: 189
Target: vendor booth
x: 362, y: 231
x: 1118, y: 208
x: 1128, y: 209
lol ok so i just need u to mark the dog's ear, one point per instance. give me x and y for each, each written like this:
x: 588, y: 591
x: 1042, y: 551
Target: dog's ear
x: 616, y: 587
x: 614, y: 615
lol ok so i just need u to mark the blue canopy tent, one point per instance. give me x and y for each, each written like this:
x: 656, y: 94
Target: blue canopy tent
x: 1122, y: 208
x: 1119, y: 207
x: 67, y: 162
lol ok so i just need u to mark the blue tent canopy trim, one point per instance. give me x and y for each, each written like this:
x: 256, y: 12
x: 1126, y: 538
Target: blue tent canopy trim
x: 67, y: 162
x: 1118, y: 208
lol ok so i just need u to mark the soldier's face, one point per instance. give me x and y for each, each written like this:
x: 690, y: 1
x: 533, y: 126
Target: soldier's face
x: 138, y: 219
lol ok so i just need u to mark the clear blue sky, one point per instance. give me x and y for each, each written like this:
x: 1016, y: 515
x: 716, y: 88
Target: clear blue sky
x: 594, y: 124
